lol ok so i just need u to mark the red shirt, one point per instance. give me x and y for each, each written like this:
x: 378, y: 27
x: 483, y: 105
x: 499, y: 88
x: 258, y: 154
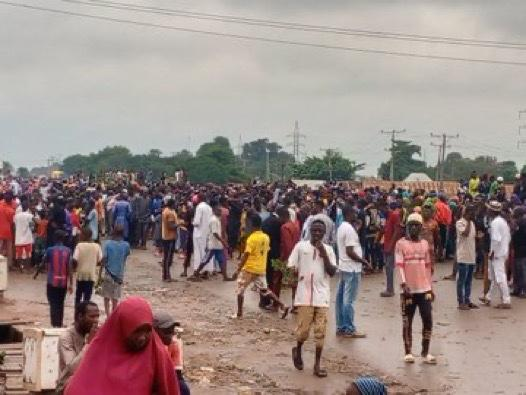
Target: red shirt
x: 392, y: 230
x: 443, y: 214
x: 289, y: 236
x: 7, y: 214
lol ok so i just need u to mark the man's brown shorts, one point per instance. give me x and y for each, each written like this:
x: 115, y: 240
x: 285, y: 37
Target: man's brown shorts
x: 312, y: 316
x: 246, y: 278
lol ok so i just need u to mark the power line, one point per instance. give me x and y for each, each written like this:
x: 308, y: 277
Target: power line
x: 299, y: 26
x: 263, y: 39
x: 393, y: 134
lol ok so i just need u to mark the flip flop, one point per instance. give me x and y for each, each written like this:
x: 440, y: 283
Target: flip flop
x: 296, y: 359
x: 285, y: 313
x: 321, y: 373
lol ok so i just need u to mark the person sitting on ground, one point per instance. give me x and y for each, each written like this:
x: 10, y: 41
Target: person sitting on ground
x: 164, y: 325
x: 73, y: 343
x: 126, y: 357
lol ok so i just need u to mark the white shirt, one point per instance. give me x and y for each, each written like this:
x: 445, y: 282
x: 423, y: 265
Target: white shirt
x: 23, y: 233
x: 347, y: 237
x: 500, y: 237
x: 313, y: 282
x: 215, y: 227
x: 466, y: 246
x: 203, y: 215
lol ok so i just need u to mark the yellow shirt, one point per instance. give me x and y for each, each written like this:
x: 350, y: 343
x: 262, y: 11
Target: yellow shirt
x: 258, y: 245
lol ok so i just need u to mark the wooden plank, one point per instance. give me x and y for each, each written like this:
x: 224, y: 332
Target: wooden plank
x: 15, y: 322
x: 11, y: 367
x: 11, y: 346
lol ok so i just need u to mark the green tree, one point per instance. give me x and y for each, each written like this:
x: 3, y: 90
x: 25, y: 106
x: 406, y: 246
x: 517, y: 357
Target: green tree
x: 156, y: 153
x: 23, y: 172
x: 523, y: 170
x: 404, y: 162
x: 254, y: 159
x: 332, y: 166
x: 215, y: 162
x: 457, y: 167
x: 7, y: 168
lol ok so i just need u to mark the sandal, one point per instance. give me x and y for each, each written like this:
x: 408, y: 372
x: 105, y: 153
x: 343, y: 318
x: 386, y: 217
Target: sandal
x: 285, y: 313
x: 296, y: 359
x: 321, y: 373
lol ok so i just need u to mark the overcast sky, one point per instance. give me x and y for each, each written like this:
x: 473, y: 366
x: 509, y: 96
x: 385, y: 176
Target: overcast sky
x: 70, y: 85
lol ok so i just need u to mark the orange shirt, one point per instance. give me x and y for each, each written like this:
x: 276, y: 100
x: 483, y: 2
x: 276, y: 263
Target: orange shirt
x: 175, y: 350
x: 42, y: 228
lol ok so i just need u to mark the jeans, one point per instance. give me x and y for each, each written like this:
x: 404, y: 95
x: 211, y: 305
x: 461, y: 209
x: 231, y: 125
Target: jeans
x: 168, y: 257
x: 389, y: 271
x: 56, y: 297
x: 184, y: 389
x: 84, y: 291
x: 345, y: 297
x: 218, y: 255
x: 465, y: 276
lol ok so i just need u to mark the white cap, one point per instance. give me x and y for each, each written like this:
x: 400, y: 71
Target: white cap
x: 500, y: 179
x: 415, y: 217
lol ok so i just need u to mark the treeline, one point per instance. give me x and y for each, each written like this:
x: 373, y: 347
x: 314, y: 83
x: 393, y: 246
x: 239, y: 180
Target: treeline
x: 216, y: 162
x: 456, y: 167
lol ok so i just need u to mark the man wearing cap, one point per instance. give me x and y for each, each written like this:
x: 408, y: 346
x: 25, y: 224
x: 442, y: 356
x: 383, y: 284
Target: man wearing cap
x: 164, y: 326
x: 500, y: 237
x: 495, y: 187
x: 413, y: 262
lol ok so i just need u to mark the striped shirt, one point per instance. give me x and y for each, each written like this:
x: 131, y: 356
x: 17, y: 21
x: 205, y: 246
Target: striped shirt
x: 58, y: 259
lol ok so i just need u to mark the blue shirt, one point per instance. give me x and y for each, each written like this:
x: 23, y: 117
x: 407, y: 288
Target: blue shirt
x: 116, y: 252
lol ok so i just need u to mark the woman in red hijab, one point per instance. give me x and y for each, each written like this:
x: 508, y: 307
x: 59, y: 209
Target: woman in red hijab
x: 126, y: 357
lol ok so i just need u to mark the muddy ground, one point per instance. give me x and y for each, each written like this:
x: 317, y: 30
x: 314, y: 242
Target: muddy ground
x: 479, y: 352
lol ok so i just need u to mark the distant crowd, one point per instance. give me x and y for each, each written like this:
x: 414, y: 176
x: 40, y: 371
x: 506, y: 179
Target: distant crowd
x: 80, y: 232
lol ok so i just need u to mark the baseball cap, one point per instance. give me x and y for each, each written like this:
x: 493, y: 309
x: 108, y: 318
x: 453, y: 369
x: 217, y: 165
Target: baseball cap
x: 415, y: 217
x: 164, y: 320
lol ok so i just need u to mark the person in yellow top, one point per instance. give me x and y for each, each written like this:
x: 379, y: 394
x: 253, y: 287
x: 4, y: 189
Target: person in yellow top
x: 253, y: 267
x: 473, y: 185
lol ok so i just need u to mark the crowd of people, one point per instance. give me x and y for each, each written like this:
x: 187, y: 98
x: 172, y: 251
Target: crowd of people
x: 81, y: 232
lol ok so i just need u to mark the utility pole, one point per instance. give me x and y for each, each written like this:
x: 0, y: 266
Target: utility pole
x: 267, y: 151
x: 521, y: 127
x: 393, y: 134
x: 442, y: 153
x: 329, y: 152
x: 437, y: 170
x: 297, y: 145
